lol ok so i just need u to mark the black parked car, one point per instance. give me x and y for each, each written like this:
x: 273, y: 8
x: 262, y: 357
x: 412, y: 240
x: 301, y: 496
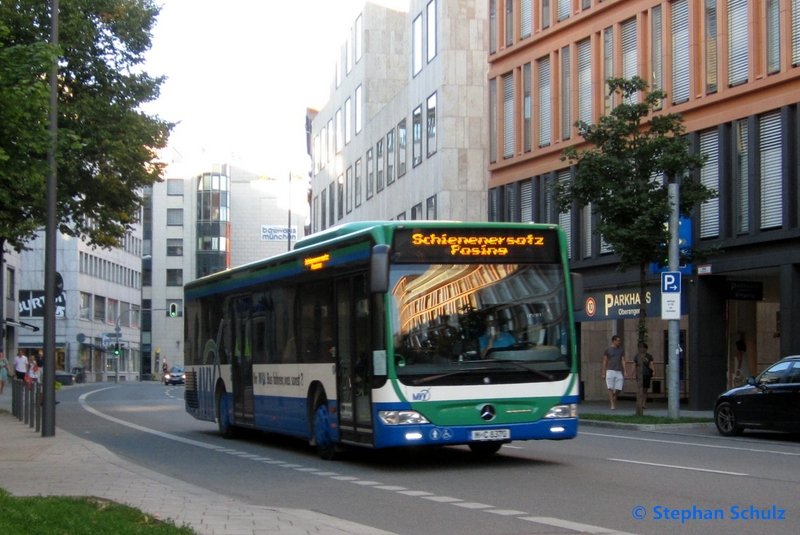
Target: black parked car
x: 65, y: 378
x: 175, y: 376
x: 769, y: 401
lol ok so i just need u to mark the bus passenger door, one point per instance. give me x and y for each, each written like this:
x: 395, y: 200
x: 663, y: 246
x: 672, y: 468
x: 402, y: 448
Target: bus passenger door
x: 354, y: 362
x: 242, y: 364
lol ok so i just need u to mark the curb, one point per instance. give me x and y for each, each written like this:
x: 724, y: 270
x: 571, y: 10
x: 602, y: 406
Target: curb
x: 642, y: 427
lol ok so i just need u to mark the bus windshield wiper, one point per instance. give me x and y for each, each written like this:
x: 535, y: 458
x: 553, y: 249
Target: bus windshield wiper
x: 428, y: 379
x: 519, y: 364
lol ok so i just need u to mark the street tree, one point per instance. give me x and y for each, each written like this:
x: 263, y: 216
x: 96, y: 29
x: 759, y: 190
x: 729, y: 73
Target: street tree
x: 635, y: 151
x: 107, y: 147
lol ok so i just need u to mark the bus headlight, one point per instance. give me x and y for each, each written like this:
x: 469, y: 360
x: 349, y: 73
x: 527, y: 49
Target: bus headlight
x: 563, y: 411
x: 402, y: 418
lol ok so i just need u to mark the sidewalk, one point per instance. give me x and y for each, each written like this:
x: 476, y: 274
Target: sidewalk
x: 66, y: 465
x: 628, y: 407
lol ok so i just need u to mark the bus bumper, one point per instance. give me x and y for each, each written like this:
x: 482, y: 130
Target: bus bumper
x: 434, y: 435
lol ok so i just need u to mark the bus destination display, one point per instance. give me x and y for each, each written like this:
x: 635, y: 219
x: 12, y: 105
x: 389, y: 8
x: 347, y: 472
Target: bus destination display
x: 475, y: 245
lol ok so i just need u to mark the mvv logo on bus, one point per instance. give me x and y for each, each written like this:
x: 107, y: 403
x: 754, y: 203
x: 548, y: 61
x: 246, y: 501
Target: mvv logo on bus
x: 423, y: 395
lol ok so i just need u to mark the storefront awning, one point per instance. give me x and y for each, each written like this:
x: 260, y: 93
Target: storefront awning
x: 9, y: 321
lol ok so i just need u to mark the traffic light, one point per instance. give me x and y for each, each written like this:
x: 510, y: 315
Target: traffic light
x: 116, y: 349
x: 173, y: 309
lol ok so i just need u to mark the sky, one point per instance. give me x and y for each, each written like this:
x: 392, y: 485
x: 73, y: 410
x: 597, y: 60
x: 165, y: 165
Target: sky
x: 241, y: 73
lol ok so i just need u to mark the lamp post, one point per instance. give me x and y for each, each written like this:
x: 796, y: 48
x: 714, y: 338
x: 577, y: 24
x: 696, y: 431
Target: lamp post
x: 49, y: 394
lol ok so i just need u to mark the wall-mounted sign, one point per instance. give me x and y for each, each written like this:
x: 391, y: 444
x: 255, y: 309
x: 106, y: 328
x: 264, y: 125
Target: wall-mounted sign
x: 31, y: 304
x: 746, y: 290
x: 277, y: 233
x: 623, y: 303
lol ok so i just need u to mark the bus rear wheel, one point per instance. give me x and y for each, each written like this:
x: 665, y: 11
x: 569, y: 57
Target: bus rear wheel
x: 326, y: 448
x: 226, y: 427
x: 485, y: 448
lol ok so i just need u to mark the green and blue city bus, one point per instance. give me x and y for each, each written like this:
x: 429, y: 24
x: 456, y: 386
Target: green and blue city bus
x: 386, y: 334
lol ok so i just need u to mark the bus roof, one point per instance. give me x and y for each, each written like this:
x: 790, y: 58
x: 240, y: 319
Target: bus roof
x: 379, y: 230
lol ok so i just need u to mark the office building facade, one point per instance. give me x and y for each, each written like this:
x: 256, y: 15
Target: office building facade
x: 730, y: 68
x: 403, y: 133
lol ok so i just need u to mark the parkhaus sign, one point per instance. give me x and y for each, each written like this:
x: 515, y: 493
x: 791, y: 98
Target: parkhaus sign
x: 622, y: 304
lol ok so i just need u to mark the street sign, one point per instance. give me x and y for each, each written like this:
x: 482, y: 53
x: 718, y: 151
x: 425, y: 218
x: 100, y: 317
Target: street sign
x: 110, y: 338
x: 670, y: 306
x: 671, y: 282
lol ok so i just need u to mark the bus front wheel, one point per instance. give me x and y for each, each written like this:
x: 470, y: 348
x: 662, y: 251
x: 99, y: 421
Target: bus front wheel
x: 322, y: 430
x: 226, y: 427
x: 485, y: 448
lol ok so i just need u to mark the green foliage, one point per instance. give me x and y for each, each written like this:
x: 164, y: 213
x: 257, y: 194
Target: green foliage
x: 24, y: 137
x: 636, y: 149
x: 106, y: 146
x: 622, y: 176
x: 78, y: 516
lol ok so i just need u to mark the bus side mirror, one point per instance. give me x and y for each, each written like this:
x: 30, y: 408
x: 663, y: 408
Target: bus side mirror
x: 379, y: 269
x: 577, y: 292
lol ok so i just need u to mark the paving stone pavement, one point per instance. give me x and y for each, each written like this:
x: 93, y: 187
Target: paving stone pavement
x: 67, y: 465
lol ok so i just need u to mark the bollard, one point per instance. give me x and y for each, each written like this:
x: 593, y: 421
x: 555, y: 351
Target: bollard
x: 37, y: 405
x: 31, y: 405
x: 14, y: 398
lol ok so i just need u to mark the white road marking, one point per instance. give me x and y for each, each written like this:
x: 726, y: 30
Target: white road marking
x: 585, y: 528
x: 713, y: 446
x: 679, y: 467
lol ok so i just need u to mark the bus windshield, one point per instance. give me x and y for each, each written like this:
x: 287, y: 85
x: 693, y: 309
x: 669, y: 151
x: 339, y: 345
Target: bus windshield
x: 461, y: 324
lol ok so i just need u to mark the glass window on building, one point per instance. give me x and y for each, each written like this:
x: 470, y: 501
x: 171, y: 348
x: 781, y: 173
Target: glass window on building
x: 174, y: 186
x: 174, y: 216
x: 99, y: 308
x: 174, y: 246
x: 416, y: 45
x: 430, y: 208
x: 124, y: 314
x: 390, y: 157
x: 357, y: 189
x: 174, y: 277
x: 112, y: 310
x: 431, y: 30
x: 401, y: 148
x: 86, y: 306
x: 416, y: 152
x: 10, y: 283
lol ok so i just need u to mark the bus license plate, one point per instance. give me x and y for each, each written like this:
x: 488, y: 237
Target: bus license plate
x: 491, y: 434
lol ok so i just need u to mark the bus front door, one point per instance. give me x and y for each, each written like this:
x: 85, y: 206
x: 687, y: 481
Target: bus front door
x: 354, y: 362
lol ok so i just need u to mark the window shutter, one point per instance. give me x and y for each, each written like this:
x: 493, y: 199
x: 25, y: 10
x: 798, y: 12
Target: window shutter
x: 587, y: 230
x: 526, y: 200
x: 525, y: 18
x: 771, y: 180
x: 738, y: 63
x: 563, y: 9
x: 566, y: 94
x: 709, y: 177
x: 493, y: 120
x: 629, y: 57
x: 585, y: 81
x: 544, y: 102
x: 795, y: 32
x: 742, y: 177
x: 608, y: 68
x: 680, y: 51
x: 527, y: 130
x: 773, y: 37
x: 508, y: 115
x: 565, y: 220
